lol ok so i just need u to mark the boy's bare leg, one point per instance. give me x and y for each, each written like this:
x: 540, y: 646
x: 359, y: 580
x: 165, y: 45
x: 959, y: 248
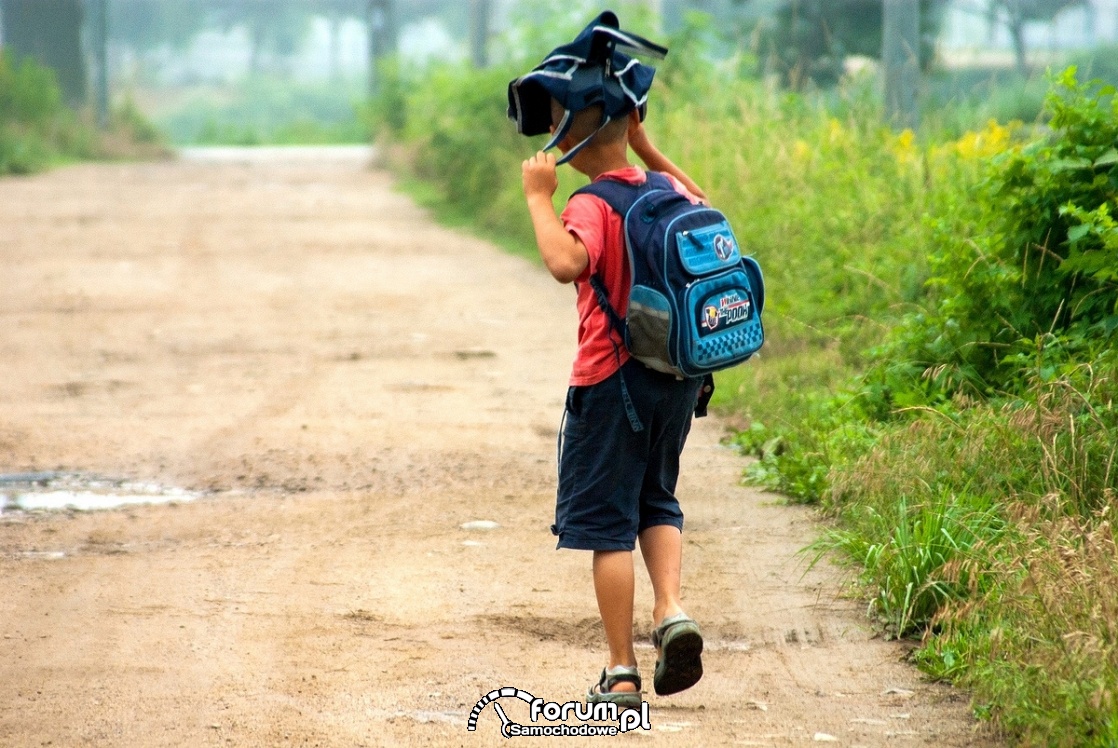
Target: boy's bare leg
x: 614, y: 586
x: 662, y: 549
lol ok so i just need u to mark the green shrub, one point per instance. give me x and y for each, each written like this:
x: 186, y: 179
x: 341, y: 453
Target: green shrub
x: 29, y: 93
x: 460, y: 143
x: 37, y: 130
x: 31, y: 113
x: 1025, y: 275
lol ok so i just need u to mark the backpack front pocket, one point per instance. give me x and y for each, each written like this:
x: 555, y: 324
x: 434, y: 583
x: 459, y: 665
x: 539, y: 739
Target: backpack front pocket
x: 725, y: 322
x: 707, y: 249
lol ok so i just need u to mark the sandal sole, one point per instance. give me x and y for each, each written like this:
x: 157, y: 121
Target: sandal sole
x: 681, y: 664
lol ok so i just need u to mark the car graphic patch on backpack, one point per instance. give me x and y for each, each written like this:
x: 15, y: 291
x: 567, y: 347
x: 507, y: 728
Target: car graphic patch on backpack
x: 695, y: 300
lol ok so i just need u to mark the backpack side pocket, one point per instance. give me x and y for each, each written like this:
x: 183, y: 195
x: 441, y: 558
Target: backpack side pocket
x: 649, y: 327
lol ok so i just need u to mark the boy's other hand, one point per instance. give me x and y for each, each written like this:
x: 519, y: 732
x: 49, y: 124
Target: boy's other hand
x: 539, y: 176
x: 638, y: 136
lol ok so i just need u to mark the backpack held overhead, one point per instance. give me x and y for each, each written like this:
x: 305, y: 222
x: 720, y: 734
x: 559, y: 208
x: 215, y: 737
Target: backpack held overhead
x: 695, y: 301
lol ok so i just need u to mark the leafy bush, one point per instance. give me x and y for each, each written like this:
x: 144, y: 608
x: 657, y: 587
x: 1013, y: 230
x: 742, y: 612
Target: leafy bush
x: 460, y: 144
x: 31, y: 111
x: 1025, y: 275
x: 37, y: 129
x: 29, y: 92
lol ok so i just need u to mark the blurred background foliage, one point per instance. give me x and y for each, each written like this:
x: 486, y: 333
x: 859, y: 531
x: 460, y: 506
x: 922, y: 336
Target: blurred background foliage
x: 275, y: 71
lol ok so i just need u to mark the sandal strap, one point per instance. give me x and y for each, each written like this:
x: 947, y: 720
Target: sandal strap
x: 666, y: 625
x: 620, y: 674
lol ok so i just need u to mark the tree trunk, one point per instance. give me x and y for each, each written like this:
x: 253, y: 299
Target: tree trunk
x: 50, y: 31
x: 900, y: 56
x: 1016, y: 26
x: 479, y: 32
x: 334, y: 22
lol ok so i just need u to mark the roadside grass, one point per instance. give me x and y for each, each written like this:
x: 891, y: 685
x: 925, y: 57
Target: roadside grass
x: 986, y: 531
x: 977, y: 521
x: 915, y: 556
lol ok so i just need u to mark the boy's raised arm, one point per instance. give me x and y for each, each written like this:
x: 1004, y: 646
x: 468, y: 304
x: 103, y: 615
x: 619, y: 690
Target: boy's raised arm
x: 562, y: 253
x: 657, y: 161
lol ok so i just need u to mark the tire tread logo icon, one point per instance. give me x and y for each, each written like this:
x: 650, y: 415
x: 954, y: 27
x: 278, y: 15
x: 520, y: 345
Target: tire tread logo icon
x: 489, y: 698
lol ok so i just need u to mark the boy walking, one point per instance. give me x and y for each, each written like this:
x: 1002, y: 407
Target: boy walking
x: 624, y: 424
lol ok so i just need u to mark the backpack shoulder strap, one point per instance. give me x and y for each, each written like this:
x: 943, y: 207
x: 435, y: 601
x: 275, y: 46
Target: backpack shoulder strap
x: 617, y: 195
x: 620, y: 195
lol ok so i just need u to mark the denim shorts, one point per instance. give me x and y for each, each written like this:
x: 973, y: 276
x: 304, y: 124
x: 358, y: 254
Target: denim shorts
x: 615, y: 482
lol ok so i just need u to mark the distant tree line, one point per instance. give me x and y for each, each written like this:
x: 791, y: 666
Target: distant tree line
x: 800, y: 41
x: 808, y: 41
x: 54, y: 32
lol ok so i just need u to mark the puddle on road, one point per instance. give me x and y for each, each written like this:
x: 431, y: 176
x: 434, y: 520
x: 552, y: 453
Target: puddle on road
x: 672, y: 726
x: 62, y: 491
x: 480, y: 524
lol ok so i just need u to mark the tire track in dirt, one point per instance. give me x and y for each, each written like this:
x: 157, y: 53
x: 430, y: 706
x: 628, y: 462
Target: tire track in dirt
x: 352, y: 384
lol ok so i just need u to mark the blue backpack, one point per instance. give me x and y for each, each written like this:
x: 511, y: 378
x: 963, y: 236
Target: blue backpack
x: 695, y: 302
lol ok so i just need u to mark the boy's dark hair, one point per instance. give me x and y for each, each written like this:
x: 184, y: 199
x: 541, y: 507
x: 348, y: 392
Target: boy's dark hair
x: 586, y: 125
x: 586, y: 72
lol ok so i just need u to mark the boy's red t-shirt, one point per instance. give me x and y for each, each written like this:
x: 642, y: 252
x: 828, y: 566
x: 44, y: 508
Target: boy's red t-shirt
x: 600, y: 230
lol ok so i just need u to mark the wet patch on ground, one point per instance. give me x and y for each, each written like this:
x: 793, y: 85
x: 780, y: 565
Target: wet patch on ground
x: 54, y: 491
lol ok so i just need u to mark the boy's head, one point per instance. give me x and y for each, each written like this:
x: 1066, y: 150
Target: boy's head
x: 586, y: 127
x: 586, y: 76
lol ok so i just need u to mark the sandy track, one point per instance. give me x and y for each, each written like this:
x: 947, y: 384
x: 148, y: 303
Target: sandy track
x: 348, y: 384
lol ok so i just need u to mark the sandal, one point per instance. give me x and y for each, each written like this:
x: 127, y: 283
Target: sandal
x: 680, y: 664
x: 602, y: 692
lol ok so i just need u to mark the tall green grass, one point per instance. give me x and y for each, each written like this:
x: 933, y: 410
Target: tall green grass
x: 998, y: 520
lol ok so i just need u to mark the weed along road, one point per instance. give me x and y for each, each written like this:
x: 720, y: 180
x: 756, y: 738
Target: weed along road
x: 337, y: 422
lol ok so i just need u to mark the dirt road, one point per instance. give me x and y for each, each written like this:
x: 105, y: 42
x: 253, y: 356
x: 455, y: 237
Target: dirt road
x: 344, y: 385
